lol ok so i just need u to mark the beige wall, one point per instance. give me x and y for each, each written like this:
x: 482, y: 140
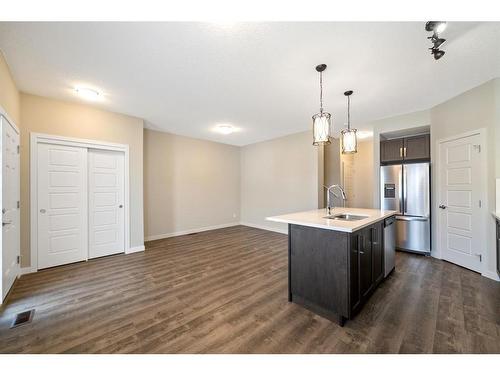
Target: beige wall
x: 43, y: 115
x: 466, y: 112
x: 332, y: 172
x: 497, y: 126
x: 188, y: 184
x: 278, y: 176
x: 9, y: 95
x: 358, y: 176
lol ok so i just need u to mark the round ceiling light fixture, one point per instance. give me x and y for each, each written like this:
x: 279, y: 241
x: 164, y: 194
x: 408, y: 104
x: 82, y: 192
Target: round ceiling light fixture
x: 225, y: 129
x: 88, y: 94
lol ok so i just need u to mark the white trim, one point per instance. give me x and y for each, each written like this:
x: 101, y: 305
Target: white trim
x: 12, y: 124
x: 491, y: 275
x: 135, y: 249
x: 36, y: 138
x: 189, y: 231
x: 26, y: 270
x: 4, y: 113
x: 482, y: 132
x: 264, y: 227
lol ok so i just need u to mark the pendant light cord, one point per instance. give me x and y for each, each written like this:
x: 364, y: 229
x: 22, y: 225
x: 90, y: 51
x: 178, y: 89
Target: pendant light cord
x: 320, y: 92
x: 348, y: 112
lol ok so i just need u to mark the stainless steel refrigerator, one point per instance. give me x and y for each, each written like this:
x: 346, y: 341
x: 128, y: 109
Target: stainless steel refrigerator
x: 406, y: 188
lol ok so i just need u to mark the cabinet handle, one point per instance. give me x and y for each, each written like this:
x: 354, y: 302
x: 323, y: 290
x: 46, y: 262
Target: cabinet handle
x: 401, y: 152
x: 374, y: 235
x: 404, y: 152
x: 360, y: 241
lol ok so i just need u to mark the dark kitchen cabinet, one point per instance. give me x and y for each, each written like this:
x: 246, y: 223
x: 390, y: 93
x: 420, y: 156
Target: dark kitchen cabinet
x: 365, y: 262
x: 368, y: 243
x: 391, y: 150
x: 498, y: 247
x: 354, y: 290
x: 334, y: 273
x: 416, y: 148
x: 377, y: 252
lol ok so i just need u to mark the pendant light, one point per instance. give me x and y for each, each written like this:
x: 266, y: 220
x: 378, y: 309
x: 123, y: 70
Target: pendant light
x: 321, y: 120
x: 348, y: 136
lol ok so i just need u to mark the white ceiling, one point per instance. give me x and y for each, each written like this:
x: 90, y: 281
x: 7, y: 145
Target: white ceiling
x: 185, y: 78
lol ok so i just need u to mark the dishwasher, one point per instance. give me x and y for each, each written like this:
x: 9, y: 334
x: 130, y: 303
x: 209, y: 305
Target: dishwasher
x: 389, y: 245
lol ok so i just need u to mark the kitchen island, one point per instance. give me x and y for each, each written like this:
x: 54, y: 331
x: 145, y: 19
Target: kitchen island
x: 336, y: 260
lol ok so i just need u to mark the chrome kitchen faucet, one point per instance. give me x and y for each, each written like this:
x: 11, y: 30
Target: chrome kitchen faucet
x: 329, y: 190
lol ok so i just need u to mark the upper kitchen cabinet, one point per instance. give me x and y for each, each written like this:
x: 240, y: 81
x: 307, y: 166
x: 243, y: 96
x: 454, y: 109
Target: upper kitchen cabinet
x: 415, y: 148
x: 391, y: 150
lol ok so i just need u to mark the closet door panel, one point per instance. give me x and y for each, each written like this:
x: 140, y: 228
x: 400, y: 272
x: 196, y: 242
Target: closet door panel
x: 61, y: 205
x: 106, y: 203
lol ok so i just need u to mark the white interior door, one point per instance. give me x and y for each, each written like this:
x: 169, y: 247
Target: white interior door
x: 10, y: 206
x: 459, y: 213
x: 106, y: 201
x: 62, y: 205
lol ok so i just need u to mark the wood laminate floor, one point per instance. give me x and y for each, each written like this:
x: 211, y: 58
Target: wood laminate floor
x: 225, y: 291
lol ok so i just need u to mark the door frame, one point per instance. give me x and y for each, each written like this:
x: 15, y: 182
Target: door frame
x: 7, y: 118
x: 483, y: 190
x: 35, y: 139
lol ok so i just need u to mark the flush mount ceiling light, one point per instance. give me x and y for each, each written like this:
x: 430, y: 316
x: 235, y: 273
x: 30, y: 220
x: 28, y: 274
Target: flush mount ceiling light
x: 348, y: 136
x: 436, y: 27
x: 225, y: 129
x: 321, y: 120
x: 88, y: 94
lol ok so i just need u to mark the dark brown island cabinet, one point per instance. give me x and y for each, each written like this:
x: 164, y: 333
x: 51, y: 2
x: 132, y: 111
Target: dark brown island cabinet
x: 333, y: 273
x: 498, y: 246
x: 409, y: 149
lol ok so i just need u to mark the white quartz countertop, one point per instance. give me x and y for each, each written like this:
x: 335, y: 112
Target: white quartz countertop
x: 496, y: 215
x: 316, y: 218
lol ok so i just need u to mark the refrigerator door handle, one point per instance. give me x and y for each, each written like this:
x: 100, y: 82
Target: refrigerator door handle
x: 404, y: 189
x: 412, y: 218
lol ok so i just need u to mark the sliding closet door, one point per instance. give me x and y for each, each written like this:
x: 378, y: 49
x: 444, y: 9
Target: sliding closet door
x: 62, y: 205
x: 106, y: 200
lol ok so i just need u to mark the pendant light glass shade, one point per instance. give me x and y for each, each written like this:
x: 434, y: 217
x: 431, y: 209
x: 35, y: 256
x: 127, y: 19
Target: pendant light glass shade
x: 349, y: 141
x: 321, y: 128
x: 348, y: 136
x: 321, y: 121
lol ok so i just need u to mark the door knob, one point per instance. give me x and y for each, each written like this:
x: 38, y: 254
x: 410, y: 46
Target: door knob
x: 4, y: 223
x: 42, y: 210
x: 120, y: 206
x: 442, y: 206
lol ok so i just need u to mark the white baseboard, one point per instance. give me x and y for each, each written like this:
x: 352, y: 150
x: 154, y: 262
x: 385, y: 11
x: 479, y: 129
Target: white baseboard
x: 491, y: 275
x: 136, y: 249
x: 436, y: 254
x: 26, y: 270
x: 189, y: 231
x: 264, y: 227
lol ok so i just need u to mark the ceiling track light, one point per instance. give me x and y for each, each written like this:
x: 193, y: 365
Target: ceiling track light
x: 436, y: 27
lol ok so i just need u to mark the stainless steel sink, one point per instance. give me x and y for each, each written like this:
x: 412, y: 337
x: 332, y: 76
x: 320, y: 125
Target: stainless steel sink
x: 346, y: 217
